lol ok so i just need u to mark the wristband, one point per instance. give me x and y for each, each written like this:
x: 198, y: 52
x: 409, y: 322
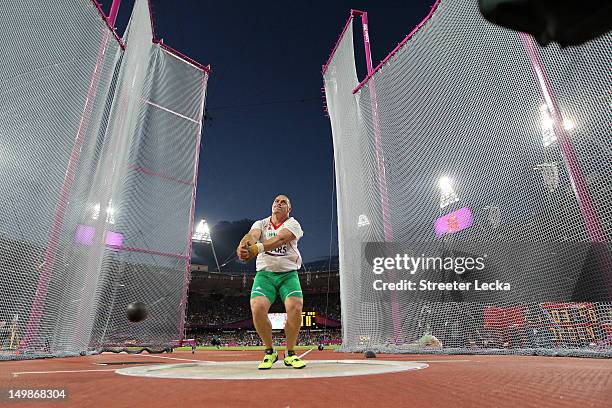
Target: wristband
x: 256, y: 249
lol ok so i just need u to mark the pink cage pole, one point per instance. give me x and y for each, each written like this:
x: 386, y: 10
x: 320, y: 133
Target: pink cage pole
x: 399, y: 46
x: 112, y: 15
x: 380, y: 166
x: 366, y: 37
x: 592, y: 223
x: 589, y: 214
x: 380, y: 159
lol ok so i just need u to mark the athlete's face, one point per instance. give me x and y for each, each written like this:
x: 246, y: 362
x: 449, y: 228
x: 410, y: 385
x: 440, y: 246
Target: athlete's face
x: 281, y: 206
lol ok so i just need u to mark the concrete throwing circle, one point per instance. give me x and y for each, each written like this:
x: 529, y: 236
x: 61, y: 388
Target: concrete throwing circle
x: 247, y: 370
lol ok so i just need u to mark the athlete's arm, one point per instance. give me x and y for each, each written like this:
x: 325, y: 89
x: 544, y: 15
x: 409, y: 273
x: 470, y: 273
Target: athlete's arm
x: 283, y: 237
x: 250, y: 238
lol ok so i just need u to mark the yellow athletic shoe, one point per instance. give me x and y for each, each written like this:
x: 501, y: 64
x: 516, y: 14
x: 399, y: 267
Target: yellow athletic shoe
x: 268, y: 360
x: 294, y: 361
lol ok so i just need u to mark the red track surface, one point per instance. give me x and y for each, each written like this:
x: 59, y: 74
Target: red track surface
x: 450, y: 381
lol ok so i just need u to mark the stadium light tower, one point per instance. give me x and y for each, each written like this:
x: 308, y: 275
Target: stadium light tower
x: 202, y: 235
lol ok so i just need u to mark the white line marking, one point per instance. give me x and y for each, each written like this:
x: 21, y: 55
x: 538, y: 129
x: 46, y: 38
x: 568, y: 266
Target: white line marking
x: 221, y: 354
x: 169, y: 110
x: 306, y: 352
x: 216, y: 362
x: 444, y: 361
x: 173, y: 358
x: 60, y: 371
x: 245, y: 370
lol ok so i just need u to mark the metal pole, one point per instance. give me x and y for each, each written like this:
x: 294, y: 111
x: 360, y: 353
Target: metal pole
x: 187, y: 274
x: 112, y: 15
x: 366, y: 37
x: 380, y: 159
x: 381, y: 174
x: 212, y: 245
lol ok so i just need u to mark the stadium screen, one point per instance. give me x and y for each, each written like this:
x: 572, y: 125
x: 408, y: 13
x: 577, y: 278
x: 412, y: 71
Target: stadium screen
x: 278, y: 320
x: 85, y: 235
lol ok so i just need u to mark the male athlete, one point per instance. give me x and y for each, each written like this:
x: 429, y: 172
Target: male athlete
x: 274, y: 241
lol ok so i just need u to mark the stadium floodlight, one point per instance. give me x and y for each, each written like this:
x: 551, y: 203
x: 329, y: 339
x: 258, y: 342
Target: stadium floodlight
x: 110, y: 212
x: 202, y: 233
x: 202, y: 236
x: 363, y: 221
x: 447, y: 193
x: 568, y: 124
x: 96, y: 211
x: 445, y: 184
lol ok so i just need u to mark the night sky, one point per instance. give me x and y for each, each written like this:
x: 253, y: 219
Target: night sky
x: 265, y: 131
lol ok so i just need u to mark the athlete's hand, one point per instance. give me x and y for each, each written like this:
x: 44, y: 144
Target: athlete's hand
x: 243, y: 252
x: 253, y: 250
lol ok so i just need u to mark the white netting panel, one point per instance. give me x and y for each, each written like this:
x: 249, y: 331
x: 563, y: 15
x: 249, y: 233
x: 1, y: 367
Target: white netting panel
x: 99, y: 146
x: 460, y: 100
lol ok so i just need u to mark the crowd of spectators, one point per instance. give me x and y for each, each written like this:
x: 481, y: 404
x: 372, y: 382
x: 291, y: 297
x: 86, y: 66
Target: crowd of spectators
x: 250, y: 337
x: 214, y: 310
x: 327, y: 305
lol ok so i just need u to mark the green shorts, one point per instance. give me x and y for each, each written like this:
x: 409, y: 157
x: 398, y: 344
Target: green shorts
x: 269, y: 284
